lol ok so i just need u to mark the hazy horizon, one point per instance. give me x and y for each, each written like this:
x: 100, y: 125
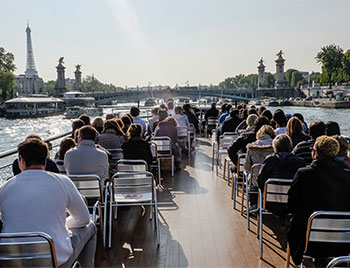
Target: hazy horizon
x: 132, y: 42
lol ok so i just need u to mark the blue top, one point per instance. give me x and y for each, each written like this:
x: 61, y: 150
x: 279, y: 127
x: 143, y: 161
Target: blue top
x: 223, y: 117
x: 138, y: 120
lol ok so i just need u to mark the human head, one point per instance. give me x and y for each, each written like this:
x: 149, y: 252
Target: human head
x: 126, y: 120
x: 187, y: 107
x: 260, y: 121
x: 171, y: 120
x: 119, y: 122
x: 332, y: 128
x: 32, y: 152
x: 280, y: 118
x: 252, y: 111
x: 85, y: 119
x: 170, y: 105
x: 98, y: 123
x: 325, y: 147
x: 299, y: 116
x: 109, y: 116
x: 265, y: 129
x: 112, y: 124
x: 228, y: 108
x: 178, y: 110
x: 65, y: 145
x: 135, y: 131
x: 234, y: 113
x: 223, y: 107
x: 317, y: 128
x: 155, y: 111
x: 213, y: 105
x: 87, y: 133
x: 268, y: 114
x: 162, y: 114
x: 282, y: 143
x: 261, y: 110
x: 251, y: 120
x: 163, y: 106
x: 76, y: 124
x: 134, y: 111
x: 294, y: 127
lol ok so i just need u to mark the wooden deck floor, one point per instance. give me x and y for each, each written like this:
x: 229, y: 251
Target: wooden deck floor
x: 199, y: 227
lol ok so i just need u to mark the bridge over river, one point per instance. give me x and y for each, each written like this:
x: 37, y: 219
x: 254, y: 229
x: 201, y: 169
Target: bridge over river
x: 107, y: 97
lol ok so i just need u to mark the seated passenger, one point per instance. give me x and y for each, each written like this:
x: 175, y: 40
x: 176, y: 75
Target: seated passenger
x: 239, y: 144
x: 192, y: 118
x: 98, y: 124
x: 86, y: 158
x: 225, y: 113
x: 65, y: 145
x: 243, y: 125
x: 154, y: 119
x: 127, y: 121
x: 76, y: 124
x: 37, y: 201
x: 303, y: 149
x: 322, y: 186
x: 86, y: 119
x: 136, y: 147
x: 212, y: 112
x: 171, y: 111
x: 112, y: 136
x: 295, y: 131
x: 135, y: 113
x: 259, y: 149
x: 162, y: 114
x: 180, y: 117
x: 281, y: 122
x: 49, y: 166
x: 232, y: 122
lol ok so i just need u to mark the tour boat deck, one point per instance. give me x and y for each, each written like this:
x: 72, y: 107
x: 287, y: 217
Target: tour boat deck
x: 199, y: 227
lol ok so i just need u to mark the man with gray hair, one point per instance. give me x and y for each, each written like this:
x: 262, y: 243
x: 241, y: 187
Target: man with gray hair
x: 281, y: 164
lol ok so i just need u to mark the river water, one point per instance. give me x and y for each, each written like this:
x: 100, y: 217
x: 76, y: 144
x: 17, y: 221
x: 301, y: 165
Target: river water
x: 13, y: 131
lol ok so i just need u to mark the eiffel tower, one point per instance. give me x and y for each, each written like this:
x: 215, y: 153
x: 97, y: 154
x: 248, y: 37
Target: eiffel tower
x: 30, y: 69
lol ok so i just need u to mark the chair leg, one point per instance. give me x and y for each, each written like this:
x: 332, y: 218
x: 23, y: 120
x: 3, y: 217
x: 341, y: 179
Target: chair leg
x: 189, y: 147
x: 105, y: 217
x: 234, y: 189
x: 228, y: 172
x: 151, y: 212
x: 159, y: 175
x: 212, y: 158
x: 261, y: 227
x: 247, y: 205
x: 288, y: 256
x: 233, y: 186
x: 172, y: 166
x: 110, y: 224
x: 156, y: 219
x: 224, y: 172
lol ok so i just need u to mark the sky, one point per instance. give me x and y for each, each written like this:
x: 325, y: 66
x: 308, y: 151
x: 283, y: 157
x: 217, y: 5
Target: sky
x: 169, y: 42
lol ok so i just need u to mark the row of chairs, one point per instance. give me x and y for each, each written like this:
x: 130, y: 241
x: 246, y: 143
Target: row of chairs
x: 323, y: 226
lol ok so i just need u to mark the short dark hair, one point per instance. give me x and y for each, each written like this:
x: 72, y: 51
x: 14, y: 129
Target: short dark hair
x: 317, y: 128
x: 134, y: 111
x: 155, y: 110
x: 170, y: 105
x: 282, y: 143
x: 332, y: 128
x: 33, y: 151
x: 162, y: 114
x: 178, y: 110
x: 252, y: 111
x: 86, y: 119
x: 228, y: 108
x: 267, y: 113
x: 260, y: 121
x: 213, y: 105
x: 234, y: 112
x: 280, y: 118
x: 87, y: 133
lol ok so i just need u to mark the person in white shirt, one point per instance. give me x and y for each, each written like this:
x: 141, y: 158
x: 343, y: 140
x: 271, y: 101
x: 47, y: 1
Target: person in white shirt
x: 37, y: 201
x: 281, y: 122
x: 171, y: 108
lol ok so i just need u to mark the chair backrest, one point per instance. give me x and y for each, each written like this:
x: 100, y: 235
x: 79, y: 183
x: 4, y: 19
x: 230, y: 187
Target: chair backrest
x: 27, y: 250
x: 276, y: 191
x: 337, y: 261
x: 254, y: 172
x: 88, y: 185
x: 154, y: 150
x: 226, y: 140
x: 328, y: 227
x: 131, y: 165
x: 182, y: 132
x: 116, y: 155
x: 163, y: 145
x: 133, y: 184
x: 192, y: 131
x: 230, y: 134
x: 212, y: 121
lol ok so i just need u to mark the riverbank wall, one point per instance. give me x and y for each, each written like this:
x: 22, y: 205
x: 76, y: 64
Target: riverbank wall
x: 330, y: 104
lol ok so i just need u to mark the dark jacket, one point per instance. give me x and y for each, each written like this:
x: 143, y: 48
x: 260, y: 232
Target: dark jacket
x: 281, y: 165
x: 239, y: 145
x: 50, y: 166
x: 212, y: 112
x: 230, y: 124
x: 166, y: 128
x: 192, y: 118
x: 137, y: 149
x: 322, y: 186
x: 299, y: 138
x: 303, y: 150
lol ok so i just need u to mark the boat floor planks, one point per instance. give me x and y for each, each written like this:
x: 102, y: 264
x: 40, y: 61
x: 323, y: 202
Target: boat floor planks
x: 198, y: 225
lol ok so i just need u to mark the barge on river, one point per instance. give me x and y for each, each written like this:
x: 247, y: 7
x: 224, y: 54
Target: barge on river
x: 33, y: 106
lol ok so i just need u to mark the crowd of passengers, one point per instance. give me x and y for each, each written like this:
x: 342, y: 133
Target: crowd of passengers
x: 45, y: 194
x: 316, y: 157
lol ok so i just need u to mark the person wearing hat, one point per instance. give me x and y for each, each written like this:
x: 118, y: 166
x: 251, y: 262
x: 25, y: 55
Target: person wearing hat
x: 324, y: 185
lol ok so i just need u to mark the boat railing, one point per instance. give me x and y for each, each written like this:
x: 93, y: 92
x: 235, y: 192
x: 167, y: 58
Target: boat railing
x: 9, y: 155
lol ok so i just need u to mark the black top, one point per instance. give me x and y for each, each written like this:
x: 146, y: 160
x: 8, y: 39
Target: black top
x: 137, y: 149
x: 212, y: 112
x: 50, y: 166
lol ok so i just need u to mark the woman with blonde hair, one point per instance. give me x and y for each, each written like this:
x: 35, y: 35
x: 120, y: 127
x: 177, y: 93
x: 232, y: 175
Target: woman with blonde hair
x: 295, y: 131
